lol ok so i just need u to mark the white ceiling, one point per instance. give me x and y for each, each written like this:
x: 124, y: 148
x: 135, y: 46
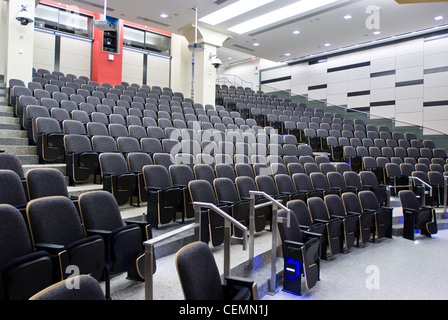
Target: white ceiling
x: 324, y: 25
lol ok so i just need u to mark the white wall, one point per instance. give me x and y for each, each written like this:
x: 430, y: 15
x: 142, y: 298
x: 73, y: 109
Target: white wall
x: 75, y: 55
x: 407, y: 81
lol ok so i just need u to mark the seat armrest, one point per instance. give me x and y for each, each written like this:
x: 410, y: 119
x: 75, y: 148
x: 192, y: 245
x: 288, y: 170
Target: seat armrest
x: 339, y: 217
x: 322, y: 221
x: 99, y: 232
x: 51, y: 248
x: 236, y: 286
x: 294, y: 244
x: 143, y: 224
x: 312, y: 234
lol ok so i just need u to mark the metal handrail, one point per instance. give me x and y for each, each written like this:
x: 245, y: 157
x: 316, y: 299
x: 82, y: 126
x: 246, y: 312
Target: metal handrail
x: 149, y: 255
x: 196, y: 225
x: 275, y: 220
x: 425, y: 184
x: 228, y: 220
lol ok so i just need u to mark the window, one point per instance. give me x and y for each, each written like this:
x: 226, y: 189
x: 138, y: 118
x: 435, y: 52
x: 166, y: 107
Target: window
x: 146, y: 40
x: 62, y: 20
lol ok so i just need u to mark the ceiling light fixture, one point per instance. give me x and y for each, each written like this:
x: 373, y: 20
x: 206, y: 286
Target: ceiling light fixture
x: 327, y: 44
x: 256, y: 44
x: 347, y: 17
x: 289, y: 11
x: 438, y: 18
x: 163, y: 15
x: 296, y: 32
x: 287, y: 54
x: 232, y: 11
x: 377, y: 32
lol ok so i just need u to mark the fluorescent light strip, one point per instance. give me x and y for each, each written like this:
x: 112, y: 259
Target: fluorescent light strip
x: 279, y: 14
x: 232, y: 11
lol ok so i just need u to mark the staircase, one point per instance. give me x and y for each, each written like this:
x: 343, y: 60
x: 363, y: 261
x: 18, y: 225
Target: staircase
x: 12, y: 138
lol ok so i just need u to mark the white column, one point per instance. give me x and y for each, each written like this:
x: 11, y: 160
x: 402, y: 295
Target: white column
x: 204, y: 71
x: 19, y: 42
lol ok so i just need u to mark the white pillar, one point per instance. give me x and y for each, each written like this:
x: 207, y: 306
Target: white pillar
x: 204, y: 71
x: 19, y: 42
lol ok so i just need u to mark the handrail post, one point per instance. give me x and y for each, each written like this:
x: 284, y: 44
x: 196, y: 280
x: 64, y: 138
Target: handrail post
x: 149, y: 270
x: 444, y: 195
x: 274, y: 223
x: 273, y: 281
x: 251, y: 230
x: 228, y: 221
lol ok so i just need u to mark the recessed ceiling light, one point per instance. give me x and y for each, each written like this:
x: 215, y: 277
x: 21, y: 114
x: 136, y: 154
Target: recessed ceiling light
x: 287, y: 54
x: 438, y: 18
x: 289, y: 11
x: 377, y: 32
x: 163, y: 15
x: 296, y: 32
x: 327, y: 44
x: 256, y: 44
x: 232, y: 11
x: 347, y: 17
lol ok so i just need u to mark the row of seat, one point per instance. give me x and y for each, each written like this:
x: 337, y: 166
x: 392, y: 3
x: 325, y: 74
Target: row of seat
x: 46, y: 232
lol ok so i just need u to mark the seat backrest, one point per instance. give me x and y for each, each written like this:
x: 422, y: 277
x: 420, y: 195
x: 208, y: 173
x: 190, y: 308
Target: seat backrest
x: 89, y: 289
x: 44, y: 182
x: 244, y: 184
x: 408, y: 199
x: 54, y: 220
x: 317, y: 208
x: 291, y: 233
x: 156, y: 176
x: 319, y: 181
x: 336, y: 180
x: 137, y: 160
x: 368, y: 178
x: 284, y: 183
x: 181, y: 174
x: 351, y: 202
x: 334, y: 205
x: 352, y: 179
x: 77, y: 143
x: 204, y: 172
x: 99, y: 210
x: 198, y: 273
x: 225, y: 190
x: 164, y: 159
x: 128, y: 144
x: 368, y: 200
x: 104, y: 144
x: 14, y: 239
x: 202, y: 191
x: 266, y: 184
x: 300, y: 210
x: 244, y: 169
x: 10, y: 161
x: 112, y: 163
x: 224, y: 170
x: 302, y: 182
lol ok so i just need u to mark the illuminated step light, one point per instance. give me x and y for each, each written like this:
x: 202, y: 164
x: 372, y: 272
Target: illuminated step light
x: 232, y: 11
x: 279, y: 15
